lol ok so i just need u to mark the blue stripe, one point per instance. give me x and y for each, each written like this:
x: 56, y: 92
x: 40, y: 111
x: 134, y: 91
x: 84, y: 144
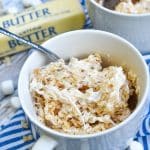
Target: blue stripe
x: 18, y: 112
x: 87, y: 23
x: 145, y: 143
x: 13, y: 140
x: 148, y: 130
x: 146, y: 57
x: 13, y: 132
x: 146, y: 53
x: 147, y: 61
x: 144, y: 126
x: 22, y: 145
x: 18, y: 115
x: 149, y: 123
x: 136, y: 139
x: 82, y: 2
x: 88, y: 20
x: 137, y: 135
x: 11, y: 124
x: 10, y: 141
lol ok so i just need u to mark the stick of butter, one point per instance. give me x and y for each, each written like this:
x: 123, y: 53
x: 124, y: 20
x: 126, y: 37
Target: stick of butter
x: 40, y: 23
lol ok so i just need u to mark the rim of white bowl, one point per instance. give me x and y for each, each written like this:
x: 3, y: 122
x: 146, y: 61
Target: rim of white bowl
x: 100, y: 133
x: 119, y: 13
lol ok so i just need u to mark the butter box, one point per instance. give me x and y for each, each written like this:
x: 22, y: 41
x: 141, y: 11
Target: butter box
x: 40, y: 23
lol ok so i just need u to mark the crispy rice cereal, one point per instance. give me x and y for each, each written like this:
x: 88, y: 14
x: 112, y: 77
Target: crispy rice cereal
x: 82, y: 97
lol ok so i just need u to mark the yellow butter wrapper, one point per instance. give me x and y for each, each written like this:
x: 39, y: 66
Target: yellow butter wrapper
x: 40, y: 23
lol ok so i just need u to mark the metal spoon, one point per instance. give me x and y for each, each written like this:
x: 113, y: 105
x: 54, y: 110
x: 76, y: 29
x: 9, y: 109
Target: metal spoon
x: 52, y: 56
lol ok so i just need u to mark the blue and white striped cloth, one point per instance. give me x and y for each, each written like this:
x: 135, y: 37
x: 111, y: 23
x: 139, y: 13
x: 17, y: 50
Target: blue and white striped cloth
x: 20, y: 134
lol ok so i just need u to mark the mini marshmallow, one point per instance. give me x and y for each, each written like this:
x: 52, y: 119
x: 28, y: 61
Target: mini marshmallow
x: 32, y: 3
x: 12, y: 10
x: 134, y: 145
x: 7, y: 87
x: 36, y: 2
x: 15, y: 102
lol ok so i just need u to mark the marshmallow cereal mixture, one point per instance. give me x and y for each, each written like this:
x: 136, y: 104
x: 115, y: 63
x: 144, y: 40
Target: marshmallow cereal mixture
x: 132, y: 6
x: 82, y: 96
x: 128, y: 6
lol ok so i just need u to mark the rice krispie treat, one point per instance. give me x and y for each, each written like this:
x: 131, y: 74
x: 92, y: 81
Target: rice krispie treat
x: 82, y: 97
x: 130, y: 6
x: 133, y: 6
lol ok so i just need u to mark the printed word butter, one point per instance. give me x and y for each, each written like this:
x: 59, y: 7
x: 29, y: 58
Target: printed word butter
x: 41, y: 23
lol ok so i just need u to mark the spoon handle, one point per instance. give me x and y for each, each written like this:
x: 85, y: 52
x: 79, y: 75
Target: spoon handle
x: 51, y: 55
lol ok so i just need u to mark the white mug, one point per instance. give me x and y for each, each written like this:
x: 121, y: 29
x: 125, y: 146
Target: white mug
x: 133, y: 27
x: 76, y: 44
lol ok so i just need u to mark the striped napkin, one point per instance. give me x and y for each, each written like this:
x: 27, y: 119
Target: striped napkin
x: 18, y: 133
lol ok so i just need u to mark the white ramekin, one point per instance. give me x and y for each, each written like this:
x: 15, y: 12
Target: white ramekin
x: 133, y: 27
x: 76, y: 44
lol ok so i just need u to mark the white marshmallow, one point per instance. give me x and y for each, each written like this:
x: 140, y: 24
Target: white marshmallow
x: 15, y: 102
x: 134, y: 145
x: 7, y: 87
x: 32, y: 3
x: 36, y: 2
x: 13, y: 10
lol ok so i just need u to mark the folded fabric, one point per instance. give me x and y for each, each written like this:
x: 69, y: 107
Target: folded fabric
x: 19, y: 133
